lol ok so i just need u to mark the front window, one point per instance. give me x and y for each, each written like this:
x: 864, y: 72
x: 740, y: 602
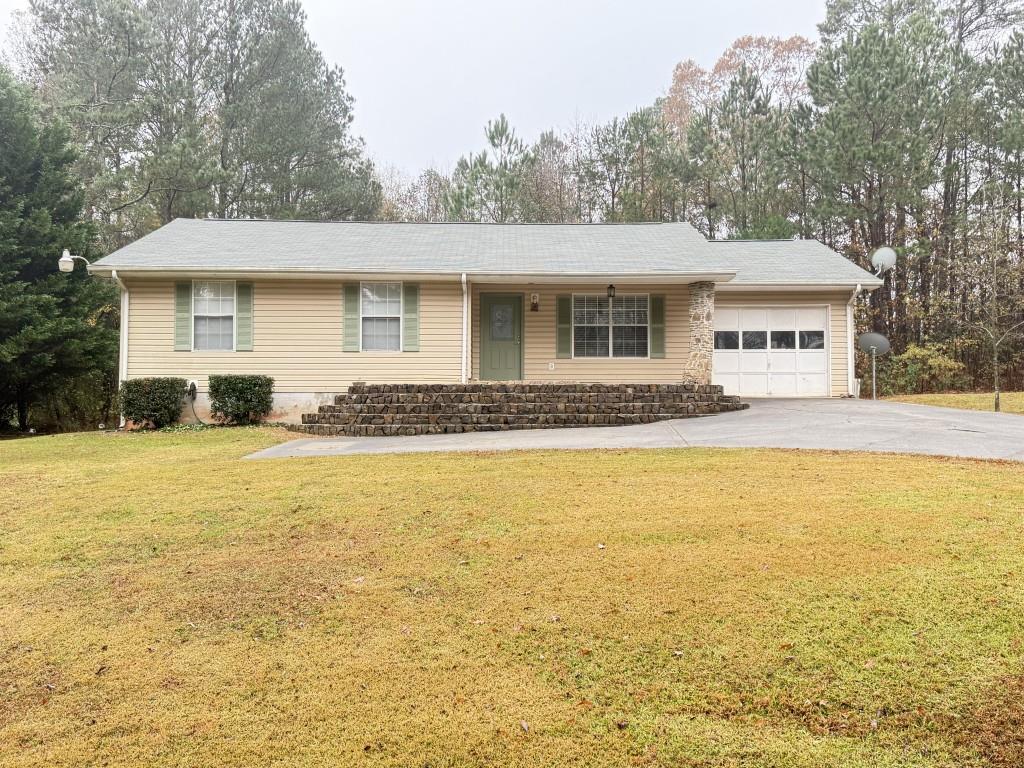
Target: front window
x: 380, y: 309
x: 604, y: 327
x: 213, y: 315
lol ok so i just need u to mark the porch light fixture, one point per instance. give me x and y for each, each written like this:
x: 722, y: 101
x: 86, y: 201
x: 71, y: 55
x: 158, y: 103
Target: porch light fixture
x: 611, y: 291
x: 66, y: 262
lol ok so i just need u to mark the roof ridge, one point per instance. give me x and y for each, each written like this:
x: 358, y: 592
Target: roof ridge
x: 767, y: 240
x: 438, y: 223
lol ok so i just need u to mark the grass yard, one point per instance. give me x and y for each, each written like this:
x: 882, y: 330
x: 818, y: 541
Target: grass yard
x: 1009, y: 402
x: 163, y: 603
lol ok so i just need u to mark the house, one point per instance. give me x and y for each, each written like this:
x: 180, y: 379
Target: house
x: 321, y: 305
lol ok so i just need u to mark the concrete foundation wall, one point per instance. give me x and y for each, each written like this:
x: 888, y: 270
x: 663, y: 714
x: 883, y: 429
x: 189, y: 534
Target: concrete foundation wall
x: 288, y: 406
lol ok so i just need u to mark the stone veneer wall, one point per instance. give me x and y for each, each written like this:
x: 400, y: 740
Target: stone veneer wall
x: 415, y: 409
x: 702, y: 333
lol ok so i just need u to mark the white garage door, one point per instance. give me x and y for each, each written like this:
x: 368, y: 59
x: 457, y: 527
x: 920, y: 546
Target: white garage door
x: 772, y: 351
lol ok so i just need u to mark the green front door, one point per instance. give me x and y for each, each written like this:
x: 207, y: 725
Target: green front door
x: 501, y: 337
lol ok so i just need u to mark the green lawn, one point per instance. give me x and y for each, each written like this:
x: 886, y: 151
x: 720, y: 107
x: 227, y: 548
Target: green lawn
x: 163, y: 603
x: 1009, y: 402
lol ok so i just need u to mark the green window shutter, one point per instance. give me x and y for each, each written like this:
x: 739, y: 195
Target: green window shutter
x: 410, y: 317
x: 183, y: 317
x: 563, y: 326
x: 657, y: 335
x: 350, y: 330
x: 243, y: 317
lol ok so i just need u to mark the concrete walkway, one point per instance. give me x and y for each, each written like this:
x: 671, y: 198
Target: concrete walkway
x: 846, y: 425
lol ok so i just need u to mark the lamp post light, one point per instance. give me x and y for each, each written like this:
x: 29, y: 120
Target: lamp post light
x: 66, y: 262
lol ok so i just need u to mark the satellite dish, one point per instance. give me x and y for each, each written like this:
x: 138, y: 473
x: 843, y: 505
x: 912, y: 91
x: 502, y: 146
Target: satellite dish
x: 873, y: 343
x: 883, y: 259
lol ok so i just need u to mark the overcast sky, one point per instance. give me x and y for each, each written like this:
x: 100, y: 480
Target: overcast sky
x: 428, y: 74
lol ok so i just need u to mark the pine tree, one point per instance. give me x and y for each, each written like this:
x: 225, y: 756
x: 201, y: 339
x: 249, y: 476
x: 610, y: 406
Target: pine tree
x: 54, y: 328
x: 487, y: 186
x: 199, y: 107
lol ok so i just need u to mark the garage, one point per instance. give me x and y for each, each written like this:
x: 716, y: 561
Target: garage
x: 772, y: 351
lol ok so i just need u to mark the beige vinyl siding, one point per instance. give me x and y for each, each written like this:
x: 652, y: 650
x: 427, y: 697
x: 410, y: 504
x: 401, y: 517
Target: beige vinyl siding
x: 539, y: 337
x: 297, y: 336
x: 297, y: 328
x: 837, y: 330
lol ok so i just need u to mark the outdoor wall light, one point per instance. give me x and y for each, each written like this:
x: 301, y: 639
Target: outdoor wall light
x: 611, y: 291
x: 534, y: 302
x: 66, y: 262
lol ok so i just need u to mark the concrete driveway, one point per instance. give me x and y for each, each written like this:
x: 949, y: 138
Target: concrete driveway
x: 844, y: 425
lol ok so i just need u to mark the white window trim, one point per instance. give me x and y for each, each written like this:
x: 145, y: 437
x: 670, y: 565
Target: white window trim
x: 611, y: 329
x: 401, y: 317
x: 234, y: 318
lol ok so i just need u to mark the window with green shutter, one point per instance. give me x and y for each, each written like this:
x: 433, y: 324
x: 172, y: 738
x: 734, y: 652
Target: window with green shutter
x: 350, y: 327
x: 410, y: 317
x: 243, y: 317
x: 183, y: 317
x: 657, y: 325
x: 563, y: 326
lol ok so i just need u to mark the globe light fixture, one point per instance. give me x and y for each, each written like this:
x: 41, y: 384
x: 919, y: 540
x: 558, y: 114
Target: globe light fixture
x: 66, y: 262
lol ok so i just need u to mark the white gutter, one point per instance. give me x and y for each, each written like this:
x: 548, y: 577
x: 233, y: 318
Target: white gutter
x: 122, y: 349
x: 598, y: 278
x: 465, y: 329
x: 850, y: 361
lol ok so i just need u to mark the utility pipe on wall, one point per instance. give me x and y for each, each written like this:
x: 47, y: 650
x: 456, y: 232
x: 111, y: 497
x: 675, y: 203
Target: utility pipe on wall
x: 122, y: 350
x: 850, y: 340
x: 465, y: 329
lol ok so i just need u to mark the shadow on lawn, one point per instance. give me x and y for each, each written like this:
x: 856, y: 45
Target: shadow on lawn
x: 995, y: 729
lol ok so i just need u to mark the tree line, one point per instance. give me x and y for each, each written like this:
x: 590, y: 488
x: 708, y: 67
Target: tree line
x: 126, y: 115
x: 902, y: 125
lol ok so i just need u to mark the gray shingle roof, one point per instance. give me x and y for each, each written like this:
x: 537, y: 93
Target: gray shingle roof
x: 667, y: 249
x: 788, y: 262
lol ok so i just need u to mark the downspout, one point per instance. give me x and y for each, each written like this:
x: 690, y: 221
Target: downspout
x: 122, y: 349
x: 465, y: 329
x: 850, y: 360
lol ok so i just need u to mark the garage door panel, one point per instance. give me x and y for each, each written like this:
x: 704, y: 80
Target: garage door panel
x: 812, y: 384
x: 754, y: 319
x: 753, y: 362
x: 810, y: 319
x: 782, y: 319
x: 727, y: 319
x: 813, y: 362
x: 729, y: 382
x: 754, y: 384
x: 727, y: 362
x: 780, y: 369
x: 783, y: 362
x: 783, y: 384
